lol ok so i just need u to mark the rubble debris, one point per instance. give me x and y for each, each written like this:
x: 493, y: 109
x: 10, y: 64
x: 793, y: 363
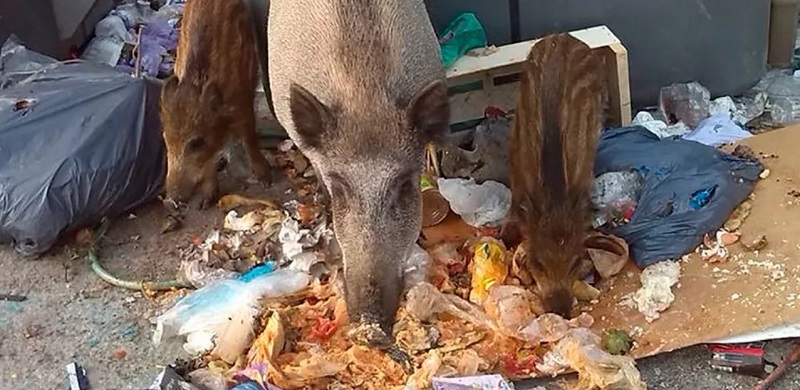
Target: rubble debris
x: 744, y: 152
x: 758, y: 244
x: 688, y: 103
x: 617, y: 342
x: 655, y: 295
x: 738, y: 216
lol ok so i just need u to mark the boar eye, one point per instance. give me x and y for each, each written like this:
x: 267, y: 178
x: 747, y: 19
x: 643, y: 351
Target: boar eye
x: 195, y: 144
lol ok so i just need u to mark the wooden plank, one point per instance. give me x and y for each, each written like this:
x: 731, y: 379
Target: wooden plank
x: 469, y: 68
x: 618, y: 84
x: 506, y: 61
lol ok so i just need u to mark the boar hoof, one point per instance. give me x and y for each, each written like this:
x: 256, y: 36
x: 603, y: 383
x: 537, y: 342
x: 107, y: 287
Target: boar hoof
x: 263, y: 173
x: 371, y: 336
x: 401, y: 358
x: 205, y: 203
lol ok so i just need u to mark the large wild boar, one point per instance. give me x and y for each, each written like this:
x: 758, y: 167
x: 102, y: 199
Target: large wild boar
x: 359, y: 87
x: 551, y: 159
x: 210, y: 99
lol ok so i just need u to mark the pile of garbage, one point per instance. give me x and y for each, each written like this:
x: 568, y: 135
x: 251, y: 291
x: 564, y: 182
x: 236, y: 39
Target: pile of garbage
x: 138, y: 35
x: 269, y: 310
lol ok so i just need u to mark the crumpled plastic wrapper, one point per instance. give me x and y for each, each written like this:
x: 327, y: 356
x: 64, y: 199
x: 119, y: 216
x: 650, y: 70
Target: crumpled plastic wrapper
x: 425, y: 301
x: 655, y: 295
x: 489, y: 267
x: 580, y: 350
x: 549, y: 328
x: 512, y: 308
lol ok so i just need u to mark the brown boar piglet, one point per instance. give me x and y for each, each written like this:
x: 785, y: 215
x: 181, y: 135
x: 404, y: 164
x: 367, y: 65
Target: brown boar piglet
x: 210, y: 99
x: 552, y: 150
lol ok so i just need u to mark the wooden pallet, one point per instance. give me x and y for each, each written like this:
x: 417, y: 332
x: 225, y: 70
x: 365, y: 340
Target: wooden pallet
x: 496, y: 77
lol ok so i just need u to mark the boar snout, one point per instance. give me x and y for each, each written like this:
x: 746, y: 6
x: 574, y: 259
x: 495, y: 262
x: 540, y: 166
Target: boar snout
x: 182, y: 182
x: 373, y: 288
x: 557, y: 298
x: 178, y: 189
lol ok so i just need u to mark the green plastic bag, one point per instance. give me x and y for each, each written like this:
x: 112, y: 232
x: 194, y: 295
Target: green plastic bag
x: 462, y: 35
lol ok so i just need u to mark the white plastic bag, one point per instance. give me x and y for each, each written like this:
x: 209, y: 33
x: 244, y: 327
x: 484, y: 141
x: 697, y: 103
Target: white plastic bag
x: 480, y: 205
x: 220, y: 316
x: 416, y: 266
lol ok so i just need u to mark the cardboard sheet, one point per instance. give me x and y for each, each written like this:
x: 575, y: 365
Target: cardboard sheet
x: 751, y: 292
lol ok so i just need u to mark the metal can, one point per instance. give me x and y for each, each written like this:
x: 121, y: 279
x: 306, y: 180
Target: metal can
x: 434, y: 206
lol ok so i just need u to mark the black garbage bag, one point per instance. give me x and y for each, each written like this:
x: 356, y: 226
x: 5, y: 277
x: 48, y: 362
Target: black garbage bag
x: 77, y: 142
x: 689, y: 190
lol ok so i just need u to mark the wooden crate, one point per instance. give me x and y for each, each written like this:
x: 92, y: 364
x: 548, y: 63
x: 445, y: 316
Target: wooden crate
x: 496, y: 77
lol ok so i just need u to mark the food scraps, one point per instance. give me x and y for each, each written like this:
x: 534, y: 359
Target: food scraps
x: 715, y: 250
x: 738, y: 216
x: 617, y: 342
x: 655, y: 295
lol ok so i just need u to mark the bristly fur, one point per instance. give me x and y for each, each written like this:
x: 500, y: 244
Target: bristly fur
x: 359, y: 86
x: 210, y: 98
x: 552, y: 149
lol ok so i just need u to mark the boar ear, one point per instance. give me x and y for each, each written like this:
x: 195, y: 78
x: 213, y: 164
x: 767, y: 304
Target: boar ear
x: 211, y: 95
x: 168, y: 89
x: 429, y: 112
x: 311, y: 118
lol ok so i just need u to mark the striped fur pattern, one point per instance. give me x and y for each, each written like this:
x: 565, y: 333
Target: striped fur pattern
x: 210, y: 99
x: 552, y: 150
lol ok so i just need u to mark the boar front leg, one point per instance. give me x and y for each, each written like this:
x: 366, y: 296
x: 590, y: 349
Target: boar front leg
x: 258, y: 163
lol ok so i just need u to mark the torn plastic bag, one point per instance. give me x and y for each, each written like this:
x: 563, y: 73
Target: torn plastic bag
x: 78, y: 142
x: 18, y: 62
x: 689, y: 190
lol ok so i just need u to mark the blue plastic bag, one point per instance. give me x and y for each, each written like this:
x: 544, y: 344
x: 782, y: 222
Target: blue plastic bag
x: 689, y: 190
